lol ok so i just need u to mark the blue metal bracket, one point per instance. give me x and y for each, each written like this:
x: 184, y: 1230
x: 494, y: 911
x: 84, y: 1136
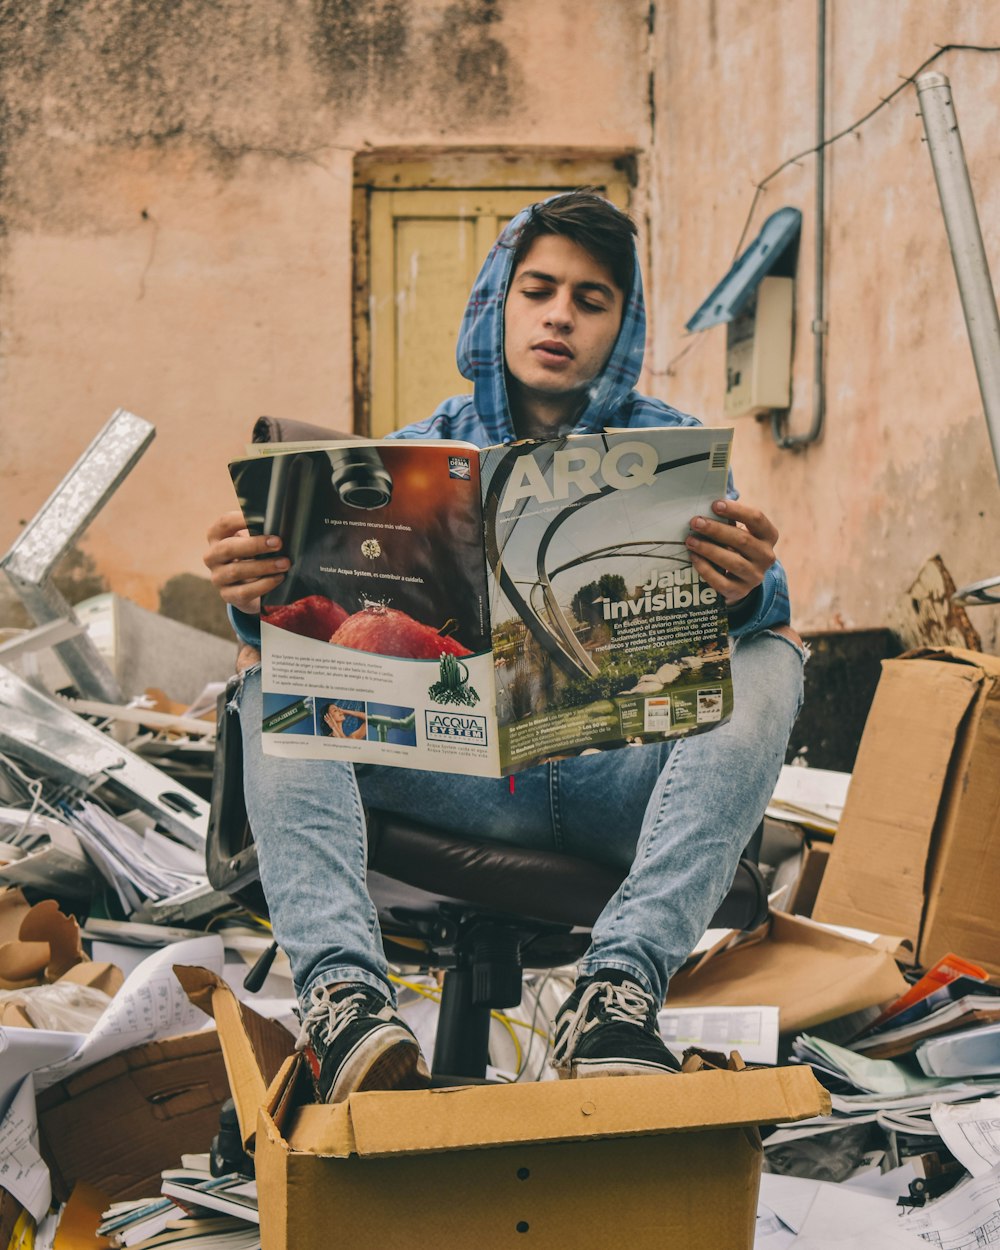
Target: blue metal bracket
x: 736, y: 289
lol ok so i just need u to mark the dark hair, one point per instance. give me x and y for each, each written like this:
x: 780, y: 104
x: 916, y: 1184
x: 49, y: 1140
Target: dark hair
x: 590, y: 221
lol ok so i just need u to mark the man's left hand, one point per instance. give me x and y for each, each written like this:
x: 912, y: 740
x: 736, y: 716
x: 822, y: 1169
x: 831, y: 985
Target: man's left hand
x: 732, y: 558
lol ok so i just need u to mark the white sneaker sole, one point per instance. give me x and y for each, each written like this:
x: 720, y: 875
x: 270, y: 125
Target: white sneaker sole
x: 583, y: 1069
x: 385, y: 1059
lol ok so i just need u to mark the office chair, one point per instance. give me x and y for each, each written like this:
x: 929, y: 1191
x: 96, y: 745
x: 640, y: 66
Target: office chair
x: 480, y: 911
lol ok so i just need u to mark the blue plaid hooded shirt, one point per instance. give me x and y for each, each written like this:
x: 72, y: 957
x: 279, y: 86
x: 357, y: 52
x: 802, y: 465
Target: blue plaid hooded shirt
x: 484, y: 417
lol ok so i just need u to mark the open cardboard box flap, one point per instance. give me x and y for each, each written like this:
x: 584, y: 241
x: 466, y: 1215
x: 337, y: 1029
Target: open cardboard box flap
x: 956, y: 655
x: 254, y: 1049
x: 418, y: 1122
x: 916, y: 849
x: 503, y: 1115
x: 893, y: 801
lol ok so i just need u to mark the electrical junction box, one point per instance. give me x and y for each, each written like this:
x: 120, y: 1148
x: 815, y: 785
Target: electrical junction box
x: 759, y: 351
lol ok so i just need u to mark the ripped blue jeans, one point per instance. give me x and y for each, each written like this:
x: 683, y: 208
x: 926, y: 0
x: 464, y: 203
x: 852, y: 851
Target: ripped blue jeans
x: 676, y: 815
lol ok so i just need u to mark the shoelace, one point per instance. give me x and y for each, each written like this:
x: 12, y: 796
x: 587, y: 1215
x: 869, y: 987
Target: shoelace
x: 624, y: 1003
x: 330, y: 1016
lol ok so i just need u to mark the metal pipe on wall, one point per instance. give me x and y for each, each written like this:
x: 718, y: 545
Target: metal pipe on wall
x: 791, y: 442
x: 972, y: 270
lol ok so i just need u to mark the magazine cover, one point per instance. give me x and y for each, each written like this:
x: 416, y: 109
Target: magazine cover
x: 603, y: 634
x: 376, y: 646
x: 480, y: 611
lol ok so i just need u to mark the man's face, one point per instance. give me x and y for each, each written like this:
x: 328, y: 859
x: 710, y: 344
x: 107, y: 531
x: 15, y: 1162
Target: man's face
x: 561, y: 319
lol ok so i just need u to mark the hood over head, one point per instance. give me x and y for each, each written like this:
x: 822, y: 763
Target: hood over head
x: 480, y: 350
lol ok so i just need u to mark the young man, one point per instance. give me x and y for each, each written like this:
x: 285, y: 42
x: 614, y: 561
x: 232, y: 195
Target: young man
x: 553, y: 339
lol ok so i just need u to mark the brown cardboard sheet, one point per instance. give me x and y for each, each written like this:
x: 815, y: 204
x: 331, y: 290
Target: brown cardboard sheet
x: 918, y: 848
x: 118, y: 1124
x: 809, y: 973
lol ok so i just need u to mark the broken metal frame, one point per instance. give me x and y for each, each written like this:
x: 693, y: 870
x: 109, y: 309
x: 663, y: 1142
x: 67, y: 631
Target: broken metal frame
x: 70, y: 751
x: 972, y: 271
x: 39, y: 639
x: 30, y: 562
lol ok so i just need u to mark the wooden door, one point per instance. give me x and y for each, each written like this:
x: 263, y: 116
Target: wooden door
x: 425, y: 247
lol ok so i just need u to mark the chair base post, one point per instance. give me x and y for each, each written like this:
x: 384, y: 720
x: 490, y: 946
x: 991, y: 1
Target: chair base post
x: 463, y: 1034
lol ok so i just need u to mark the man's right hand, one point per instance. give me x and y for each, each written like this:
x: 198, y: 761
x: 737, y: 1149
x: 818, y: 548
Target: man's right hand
x: 237, y: 573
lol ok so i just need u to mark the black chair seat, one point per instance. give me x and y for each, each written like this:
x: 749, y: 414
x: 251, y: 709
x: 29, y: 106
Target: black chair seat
x: 541, y: 885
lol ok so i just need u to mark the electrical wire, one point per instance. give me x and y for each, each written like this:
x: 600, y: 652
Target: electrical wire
x: 33, y: 788
x: 239, y: 913
x: 760, y: 186
x: 535, y: 1031
x: 507, y: 1021
x: 435, y: 996
x: 883, y: 101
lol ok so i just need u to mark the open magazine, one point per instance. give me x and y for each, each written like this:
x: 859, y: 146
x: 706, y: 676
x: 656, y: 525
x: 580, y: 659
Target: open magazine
x: 479, y: 611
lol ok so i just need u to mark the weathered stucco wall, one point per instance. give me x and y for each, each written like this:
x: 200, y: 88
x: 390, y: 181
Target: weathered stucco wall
x: 177, y: 198
x: 904, y: 468
x: 177, y: 191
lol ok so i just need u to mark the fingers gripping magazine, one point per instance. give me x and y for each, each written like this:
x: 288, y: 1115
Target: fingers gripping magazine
x: 480, y: 611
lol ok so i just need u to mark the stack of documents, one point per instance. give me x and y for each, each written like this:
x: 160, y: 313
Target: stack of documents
x: 812, y: 797
x: 878, y: 1079
x: 138, y: 863
x: 922, y: 1083
x: 949, y: 1023
x: 972, y: 1053
x: 796, y: 1213
x: 195, y: 1210
x: 962, y: 1005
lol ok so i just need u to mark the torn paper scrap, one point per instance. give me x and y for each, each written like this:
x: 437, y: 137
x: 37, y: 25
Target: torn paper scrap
x: 22, y: 1171
x: 150, y: 1005
x: 971, y: 1131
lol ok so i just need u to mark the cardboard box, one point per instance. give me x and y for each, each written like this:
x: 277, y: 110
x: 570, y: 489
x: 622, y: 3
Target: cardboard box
x: 641, y: 1162
x: 812, y: 867
x: 118, y: 1124
x: 810, y: 974
x: 918, y: 848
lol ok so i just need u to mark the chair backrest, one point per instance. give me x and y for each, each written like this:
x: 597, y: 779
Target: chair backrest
x: 288, y: 430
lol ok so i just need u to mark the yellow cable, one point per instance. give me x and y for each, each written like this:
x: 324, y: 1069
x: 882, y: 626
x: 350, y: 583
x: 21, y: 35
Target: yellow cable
x: 523, y: 1024
x: 235, y: 915
x: 499, y: 1015
x: 417, y: 944
x: 513, y: 1037
x: 422, y: 990
x: 508, y: 1022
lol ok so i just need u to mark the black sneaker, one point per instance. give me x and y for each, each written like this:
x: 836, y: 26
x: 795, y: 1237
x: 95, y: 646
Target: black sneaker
x: 353, y: 1040
x: 607, y: 1027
